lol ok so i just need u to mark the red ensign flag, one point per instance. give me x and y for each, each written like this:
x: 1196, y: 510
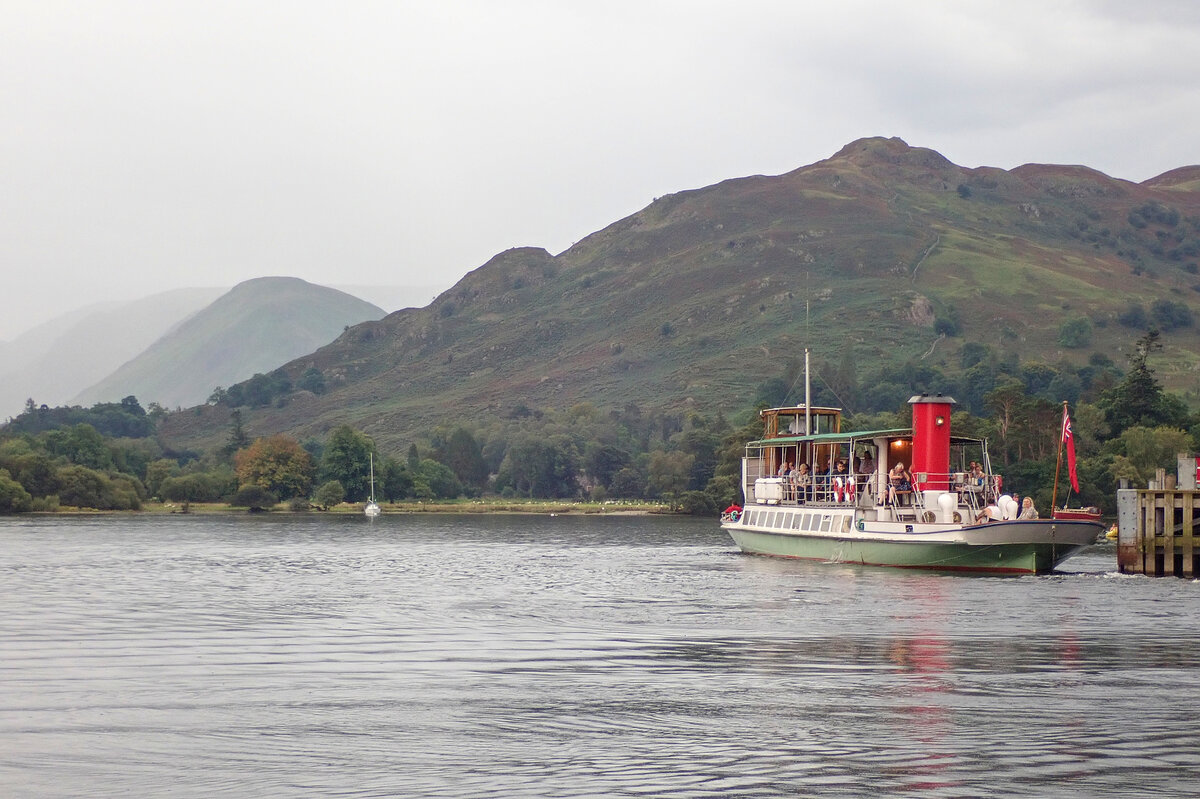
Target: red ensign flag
x: 1069, y: 442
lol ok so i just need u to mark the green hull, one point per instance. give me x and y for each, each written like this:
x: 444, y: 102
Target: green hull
x: 1010, y: 558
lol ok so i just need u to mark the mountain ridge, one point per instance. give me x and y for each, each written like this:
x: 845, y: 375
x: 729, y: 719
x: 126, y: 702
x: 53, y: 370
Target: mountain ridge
x: 869, y: 255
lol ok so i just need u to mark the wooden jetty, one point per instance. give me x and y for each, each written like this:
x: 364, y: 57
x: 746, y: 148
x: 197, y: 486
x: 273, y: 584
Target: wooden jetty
x: 1156, y: 529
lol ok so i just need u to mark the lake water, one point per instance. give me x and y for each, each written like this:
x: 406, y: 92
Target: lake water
x: 480, y: 656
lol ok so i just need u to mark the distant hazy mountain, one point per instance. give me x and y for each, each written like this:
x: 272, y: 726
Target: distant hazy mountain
x: 255, y: 327
x: 56, y: 360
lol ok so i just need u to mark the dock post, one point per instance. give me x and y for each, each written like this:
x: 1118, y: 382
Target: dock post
x: 1156, y: 531
x: 1188, y: 535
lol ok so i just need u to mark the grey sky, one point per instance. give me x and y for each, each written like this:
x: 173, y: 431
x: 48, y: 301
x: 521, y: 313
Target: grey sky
x: 154, y: 145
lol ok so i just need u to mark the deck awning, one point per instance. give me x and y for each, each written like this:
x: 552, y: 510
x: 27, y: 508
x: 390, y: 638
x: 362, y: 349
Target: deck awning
x: 842, y: 438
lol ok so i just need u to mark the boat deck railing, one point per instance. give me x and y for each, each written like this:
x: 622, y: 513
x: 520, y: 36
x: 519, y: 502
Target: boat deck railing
x: 863, y: 490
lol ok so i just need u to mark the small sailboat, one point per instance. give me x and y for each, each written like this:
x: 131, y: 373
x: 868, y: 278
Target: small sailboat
x: 372, y: 507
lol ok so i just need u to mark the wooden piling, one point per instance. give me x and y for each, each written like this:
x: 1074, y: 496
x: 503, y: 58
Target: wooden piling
x: 1163, y: 539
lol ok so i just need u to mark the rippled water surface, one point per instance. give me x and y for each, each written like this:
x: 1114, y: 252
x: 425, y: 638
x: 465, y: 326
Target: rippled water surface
x: 474, y: 656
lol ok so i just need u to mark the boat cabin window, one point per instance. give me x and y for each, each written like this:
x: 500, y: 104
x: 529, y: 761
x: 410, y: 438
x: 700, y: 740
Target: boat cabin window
x: 783, y: 422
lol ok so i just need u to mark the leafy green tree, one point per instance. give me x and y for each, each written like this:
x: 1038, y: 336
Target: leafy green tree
x: 133, y: 455
x: 1139, y: 399
x: 13, y: 497
x: 124, y: 419
x: 973, y: 353
x: 347, y: 459
x: 87, y: 488
x: 1065, y: 386
x: 698, y: 503
x: 1028, y: 427
x: 1169, y: 315
x: 312, y: 380
x: 628, y: 483
x: 1145, y: 450
x: 277, y: 464
x: 330, y: 494
x: 1134, y: 316
x: 254, y: 497
x: 35, y: 471
x: 462, y: 453
x: 237, y: 434
x: 193, y: 487
x: 1037, y: 377
x: 260, y: 390
x: 81, y: 445
x: 701, y: 439
x: 723, y: 490
x: 539, y: 467
x: 397, y: 481
x: 978, y: 380
x: 440, y: 479
x: 602, y: 461
x: 1075, y: 333
x: 157, y: 472
x: 156, y: 412
x: 669, y: 473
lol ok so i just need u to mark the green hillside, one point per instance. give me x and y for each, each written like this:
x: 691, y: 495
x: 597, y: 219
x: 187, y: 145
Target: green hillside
x: 881, y: 255
x: 253, y: 327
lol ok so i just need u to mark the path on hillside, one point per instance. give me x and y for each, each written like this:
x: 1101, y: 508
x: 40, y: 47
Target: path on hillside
x: 936, y: 241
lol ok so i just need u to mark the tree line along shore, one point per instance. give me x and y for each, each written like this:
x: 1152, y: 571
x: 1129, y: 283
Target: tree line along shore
x: 589, y: 459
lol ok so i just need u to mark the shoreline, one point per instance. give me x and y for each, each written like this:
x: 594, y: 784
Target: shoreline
x: 498, y: 507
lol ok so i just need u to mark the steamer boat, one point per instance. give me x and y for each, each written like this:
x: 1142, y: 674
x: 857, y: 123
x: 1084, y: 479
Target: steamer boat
x: 909, y: 498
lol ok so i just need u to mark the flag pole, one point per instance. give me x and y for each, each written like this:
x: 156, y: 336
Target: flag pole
x: 1058, y: 466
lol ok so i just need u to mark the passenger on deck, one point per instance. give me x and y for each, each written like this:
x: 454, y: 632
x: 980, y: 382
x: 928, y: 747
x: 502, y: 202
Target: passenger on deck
x: 989, y: 514
x: 838, y: 480
x: 898, y: 480
x: 803, y: 483
x: 1028, y: 511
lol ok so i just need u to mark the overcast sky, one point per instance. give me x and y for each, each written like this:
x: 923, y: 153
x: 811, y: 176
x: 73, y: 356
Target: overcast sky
x: 146, y: 146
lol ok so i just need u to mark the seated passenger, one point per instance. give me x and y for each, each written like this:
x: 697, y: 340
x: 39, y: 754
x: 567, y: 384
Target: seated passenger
x: 898, y: 480
x: 803, y: 483
x: 1028, y: 511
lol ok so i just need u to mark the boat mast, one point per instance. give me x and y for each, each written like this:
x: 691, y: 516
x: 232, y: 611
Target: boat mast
x: 1058, y: 466
x: 807, y: 397
x: 807, y: 381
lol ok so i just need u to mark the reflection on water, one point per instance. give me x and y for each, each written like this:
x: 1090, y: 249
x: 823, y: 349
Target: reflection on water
x: 530, y: 656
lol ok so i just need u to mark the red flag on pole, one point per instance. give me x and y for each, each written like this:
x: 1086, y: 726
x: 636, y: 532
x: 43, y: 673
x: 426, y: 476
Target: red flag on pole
x: 1069, y: 441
